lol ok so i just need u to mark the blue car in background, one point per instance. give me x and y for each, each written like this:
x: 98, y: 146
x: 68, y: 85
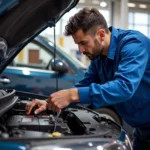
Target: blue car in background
x: 33, y: 69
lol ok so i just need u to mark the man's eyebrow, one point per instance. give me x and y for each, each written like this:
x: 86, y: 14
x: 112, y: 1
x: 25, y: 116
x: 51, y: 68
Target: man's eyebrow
x: 78, y: 42
x: 81, y: 42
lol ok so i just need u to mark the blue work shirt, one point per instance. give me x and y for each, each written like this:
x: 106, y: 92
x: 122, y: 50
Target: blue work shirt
x: 122, y: 78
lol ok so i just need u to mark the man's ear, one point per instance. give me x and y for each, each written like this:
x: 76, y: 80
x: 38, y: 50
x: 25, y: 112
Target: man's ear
x: 100, y: 35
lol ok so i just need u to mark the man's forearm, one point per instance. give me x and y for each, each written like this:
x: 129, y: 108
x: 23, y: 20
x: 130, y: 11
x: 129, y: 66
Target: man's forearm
x: 74, y: 96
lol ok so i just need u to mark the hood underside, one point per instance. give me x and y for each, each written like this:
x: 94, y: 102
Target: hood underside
x: 21, y: 21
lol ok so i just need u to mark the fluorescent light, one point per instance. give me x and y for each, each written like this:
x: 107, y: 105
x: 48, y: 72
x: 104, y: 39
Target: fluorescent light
x: 142, y: 6
x: 131, y: 5
x: 90, y: 144
x: 103, y: 4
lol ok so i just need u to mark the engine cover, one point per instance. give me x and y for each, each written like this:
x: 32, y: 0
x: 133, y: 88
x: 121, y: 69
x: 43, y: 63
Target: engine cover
x: 42, y: 123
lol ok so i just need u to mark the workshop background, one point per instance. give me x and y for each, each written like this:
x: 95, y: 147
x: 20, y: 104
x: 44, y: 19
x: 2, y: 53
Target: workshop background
x: 125, y: 14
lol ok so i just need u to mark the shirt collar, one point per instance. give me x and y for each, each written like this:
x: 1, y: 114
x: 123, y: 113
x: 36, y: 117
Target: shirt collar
x: 113, y: 43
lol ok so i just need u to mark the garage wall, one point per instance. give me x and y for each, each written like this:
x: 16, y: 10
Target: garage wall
x: 115, y: 20
x: 117, y: 15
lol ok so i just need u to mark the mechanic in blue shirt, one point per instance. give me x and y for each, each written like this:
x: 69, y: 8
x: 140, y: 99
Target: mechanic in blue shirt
x: 119, y: 73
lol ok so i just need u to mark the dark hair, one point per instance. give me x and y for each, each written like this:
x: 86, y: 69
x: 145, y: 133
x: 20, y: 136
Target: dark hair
x: 85, y: 19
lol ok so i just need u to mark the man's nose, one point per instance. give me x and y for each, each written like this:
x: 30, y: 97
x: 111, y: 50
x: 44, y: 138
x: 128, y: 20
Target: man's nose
x: 81, y: 49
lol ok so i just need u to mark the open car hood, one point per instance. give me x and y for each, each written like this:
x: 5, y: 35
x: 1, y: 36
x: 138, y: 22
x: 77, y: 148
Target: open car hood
x: 22, y: 20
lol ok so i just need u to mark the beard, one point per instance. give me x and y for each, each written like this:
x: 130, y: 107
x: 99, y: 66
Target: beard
x: 97, y: 50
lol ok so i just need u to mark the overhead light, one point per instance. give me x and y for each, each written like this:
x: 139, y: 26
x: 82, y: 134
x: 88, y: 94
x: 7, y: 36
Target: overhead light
x: 131, y: 4
x: 142, y: 6
x: 103, y: 4
x: 90, y: 144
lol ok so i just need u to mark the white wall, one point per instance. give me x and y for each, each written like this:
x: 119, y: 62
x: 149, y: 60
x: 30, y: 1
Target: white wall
x: 69, y: 44
x: 117, y: 15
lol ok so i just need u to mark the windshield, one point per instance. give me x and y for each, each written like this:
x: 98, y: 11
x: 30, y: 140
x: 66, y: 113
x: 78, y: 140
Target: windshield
x: 74, y: 60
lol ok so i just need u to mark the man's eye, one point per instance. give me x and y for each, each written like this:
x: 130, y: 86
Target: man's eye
x: 83, y: 43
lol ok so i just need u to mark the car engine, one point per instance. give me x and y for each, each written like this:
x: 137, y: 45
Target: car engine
x: 77, y: 120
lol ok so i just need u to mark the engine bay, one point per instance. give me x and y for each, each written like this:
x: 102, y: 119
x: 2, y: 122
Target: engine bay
x: 78, y: 120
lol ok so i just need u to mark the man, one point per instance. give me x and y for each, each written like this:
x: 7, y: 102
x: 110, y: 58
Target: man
x: 119, y: 73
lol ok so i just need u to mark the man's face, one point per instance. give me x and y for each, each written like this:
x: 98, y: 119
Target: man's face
x: 88, y: 44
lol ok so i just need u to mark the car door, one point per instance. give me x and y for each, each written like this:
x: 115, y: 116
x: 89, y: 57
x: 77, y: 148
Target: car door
x: 29, y: 72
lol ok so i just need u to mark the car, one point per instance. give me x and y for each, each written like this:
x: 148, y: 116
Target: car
x: 76, y: 127
x: 37, y: 75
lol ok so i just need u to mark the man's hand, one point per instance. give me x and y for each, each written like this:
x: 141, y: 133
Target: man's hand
x: 55, y: 102
x: 41, y: 104
x: 63, y: 98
